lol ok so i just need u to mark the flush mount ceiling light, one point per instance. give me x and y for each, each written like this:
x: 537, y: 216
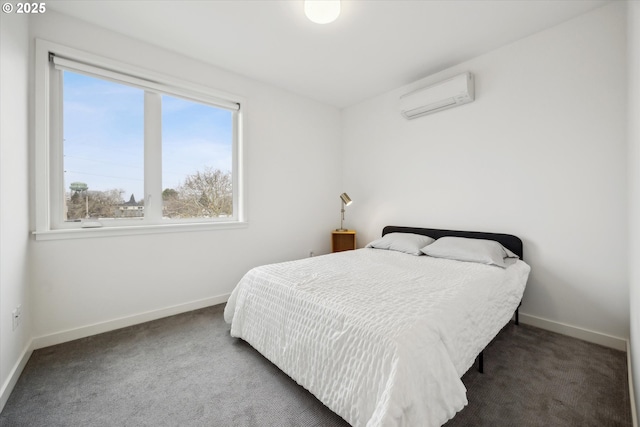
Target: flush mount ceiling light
x: 322, y: 11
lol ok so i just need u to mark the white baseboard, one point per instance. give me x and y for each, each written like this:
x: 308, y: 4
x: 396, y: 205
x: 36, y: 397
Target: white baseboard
x: 575, y: 332
x: 12, y: 379
x: 98, y: 328
x: 632, y: 394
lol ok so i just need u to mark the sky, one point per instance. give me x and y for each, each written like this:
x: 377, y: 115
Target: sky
x: 104, y: 136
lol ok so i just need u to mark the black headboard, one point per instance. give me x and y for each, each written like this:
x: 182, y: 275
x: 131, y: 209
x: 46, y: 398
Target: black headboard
x: 511, y: 242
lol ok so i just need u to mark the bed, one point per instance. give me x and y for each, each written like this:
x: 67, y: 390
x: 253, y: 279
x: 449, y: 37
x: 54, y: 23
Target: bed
x: 382, y: 335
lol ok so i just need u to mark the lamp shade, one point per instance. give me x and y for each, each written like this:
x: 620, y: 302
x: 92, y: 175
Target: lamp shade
x: 346, y: 199
x: 322, y: 11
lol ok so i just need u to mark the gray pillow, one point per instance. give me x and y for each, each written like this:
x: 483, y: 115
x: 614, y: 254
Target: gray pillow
x: 472, y: 250
x: 402, y: 242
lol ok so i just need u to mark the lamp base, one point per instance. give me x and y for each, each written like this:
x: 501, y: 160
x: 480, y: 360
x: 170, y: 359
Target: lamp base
x: 341, y: 229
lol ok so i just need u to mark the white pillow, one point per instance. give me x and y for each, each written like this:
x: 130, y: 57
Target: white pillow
x: 402, y: 242
x: 472, y: 250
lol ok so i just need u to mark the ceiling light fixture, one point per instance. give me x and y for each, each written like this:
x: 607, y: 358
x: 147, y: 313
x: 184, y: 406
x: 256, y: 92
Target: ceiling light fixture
x: 322, y: 11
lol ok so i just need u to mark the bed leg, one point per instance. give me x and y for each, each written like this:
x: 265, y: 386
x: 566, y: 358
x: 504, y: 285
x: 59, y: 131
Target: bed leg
x: 517, y: 317
x: 481, y: 362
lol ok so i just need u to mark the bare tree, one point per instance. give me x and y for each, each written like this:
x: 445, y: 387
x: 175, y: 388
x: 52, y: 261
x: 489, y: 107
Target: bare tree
x: 205, y: 194
x: 101, y: 204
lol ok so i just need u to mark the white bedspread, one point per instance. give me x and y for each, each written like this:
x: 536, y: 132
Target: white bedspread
x: 380, y: 337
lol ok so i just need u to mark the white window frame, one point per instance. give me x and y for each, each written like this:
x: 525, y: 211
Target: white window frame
x: 49, y: 150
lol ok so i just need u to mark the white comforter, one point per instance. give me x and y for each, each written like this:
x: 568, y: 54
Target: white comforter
x: 380, y: 337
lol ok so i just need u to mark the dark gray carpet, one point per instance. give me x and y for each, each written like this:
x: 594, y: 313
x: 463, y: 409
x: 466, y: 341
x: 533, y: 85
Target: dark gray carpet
x: 186, y: 370
x: 538, y: 378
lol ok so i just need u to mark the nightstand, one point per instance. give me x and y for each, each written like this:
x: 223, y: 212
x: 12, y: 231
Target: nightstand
x: 343, y: 240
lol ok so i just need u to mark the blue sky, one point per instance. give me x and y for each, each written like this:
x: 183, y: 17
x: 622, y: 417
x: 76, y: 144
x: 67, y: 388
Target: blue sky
x: 104, y: 136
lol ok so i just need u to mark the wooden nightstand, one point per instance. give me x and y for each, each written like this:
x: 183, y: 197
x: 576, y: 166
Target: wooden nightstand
x: 343, y: 240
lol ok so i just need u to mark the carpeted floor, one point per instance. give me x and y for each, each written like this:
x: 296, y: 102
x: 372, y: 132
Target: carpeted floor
x: 186, y: 370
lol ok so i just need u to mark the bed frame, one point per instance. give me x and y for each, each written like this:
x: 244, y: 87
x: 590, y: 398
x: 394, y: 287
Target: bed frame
x: 509, y: 241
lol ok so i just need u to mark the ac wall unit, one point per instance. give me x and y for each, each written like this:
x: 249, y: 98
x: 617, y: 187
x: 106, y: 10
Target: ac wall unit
x: 448, y: 93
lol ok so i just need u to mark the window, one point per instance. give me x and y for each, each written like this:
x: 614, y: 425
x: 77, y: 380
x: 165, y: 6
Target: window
x: 125, y: 148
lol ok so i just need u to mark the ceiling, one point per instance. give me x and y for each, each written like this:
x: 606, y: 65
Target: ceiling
x: 374, y: 46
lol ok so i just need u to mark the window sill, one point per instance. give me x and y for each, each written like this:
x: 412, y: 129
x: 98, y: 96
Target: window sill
x: 87, y: 233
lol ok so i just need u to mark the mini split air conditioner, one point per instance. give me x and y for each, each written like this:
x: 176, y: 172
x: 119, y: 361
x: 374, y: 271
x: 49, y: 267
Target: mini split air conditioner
x: 448, y: 93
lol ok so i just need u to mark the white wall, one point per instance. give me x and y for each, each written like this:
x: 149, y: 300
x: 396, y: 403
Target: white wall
x: 541, y: 153
x: 291, y: 144
x: 633, y: 50
x: 14, y: 197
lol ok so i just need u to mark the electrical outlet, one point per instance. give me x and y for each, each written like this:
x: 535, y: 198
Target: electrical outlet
x: 16, y: 316
x: 311, y: 254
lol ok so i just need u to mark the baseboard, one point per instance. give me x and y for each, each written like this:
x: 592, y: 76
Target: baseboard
x: 575, y: 332
x: 632, y: 394
x: 123, y: 322
x: 12, y: 379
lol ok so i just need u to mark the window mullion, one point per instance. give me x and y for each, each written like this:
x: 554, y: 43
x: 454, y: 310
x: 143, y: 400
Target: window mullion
x: 152, y: 157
